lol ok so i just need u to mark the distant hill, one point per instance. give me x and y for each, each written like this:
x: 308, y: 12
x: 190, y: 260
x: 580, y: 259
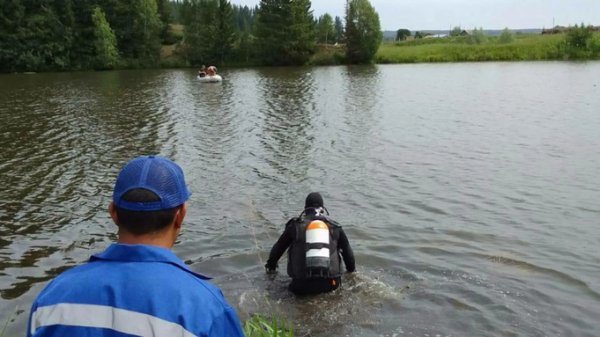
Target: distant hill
x: 391, y: 35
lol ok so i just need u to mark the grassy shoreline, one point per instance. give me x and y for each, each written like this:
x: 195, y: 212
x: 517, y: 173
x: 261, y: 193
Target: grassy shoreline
x: 525, y: 47
x: 522, y: 48
x: 460, y: 49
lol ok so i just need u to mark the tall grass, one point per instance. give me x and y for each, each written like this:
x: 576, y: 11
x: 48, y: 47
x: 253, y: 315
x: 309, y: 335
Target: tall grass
x: 259, y: 326
x: 458, y: 49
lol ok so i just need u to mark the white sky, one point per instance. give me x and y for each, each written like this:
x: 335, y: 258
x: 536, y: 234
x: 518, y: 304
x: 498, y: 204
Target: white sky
x: 488, y: 14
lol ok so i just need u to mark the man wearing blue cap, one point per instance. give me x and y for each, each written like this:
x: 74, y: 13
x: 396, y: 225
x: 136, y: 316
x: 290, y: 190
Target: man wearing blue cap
x: 137, y: 287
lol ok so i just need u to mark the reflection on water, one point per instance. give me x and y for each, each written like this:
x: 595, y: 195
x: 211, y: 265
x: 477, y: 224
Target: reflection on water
x: 468, y: 191
x: 286, y: 112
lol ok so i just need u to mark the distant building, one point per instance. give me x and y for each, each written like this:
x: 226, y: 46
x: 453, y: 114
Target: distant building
x: 563, y: 29
x: 433, y: 36
x: 555, y: 30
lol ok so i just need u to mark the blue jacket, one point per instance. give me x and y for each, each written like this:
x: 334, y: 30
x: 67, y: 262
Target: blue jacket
x: 132, y: 290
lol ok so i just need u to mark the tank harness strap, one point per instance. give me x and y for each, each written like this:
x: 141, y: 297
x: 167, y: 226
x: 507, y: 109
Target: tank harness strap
x: 321, y: 273
x: 316, y: 245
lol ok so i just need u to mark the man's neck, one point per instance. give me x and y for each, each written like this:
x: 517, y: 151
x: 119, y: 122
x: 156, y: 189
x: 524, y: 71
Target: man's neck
x: 152, y: 239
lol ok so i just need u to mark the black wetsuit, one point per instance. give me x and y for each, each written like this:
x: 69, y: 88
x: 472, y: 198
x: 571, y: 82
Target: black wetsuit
x: 311, y: 285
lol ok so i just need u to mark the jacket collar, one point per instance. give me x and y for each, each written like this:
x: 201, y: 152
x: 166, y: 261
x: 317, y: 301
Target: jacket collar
x: 142, y: 253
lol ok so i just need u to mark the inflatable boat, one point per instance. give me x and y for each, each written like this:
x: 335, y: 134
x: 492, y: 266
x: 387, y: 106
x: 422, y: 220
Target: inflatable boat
x: 210, y: 79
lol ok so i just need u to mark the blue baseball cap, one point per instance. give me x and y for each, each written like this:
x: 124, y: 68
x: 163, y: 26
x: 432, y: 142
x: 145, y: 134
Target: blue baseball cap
x: 157, y: 174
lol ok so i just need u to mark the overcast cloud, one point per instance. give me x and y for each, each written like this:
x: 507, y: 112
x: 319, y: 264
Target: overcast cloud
x: 488, y: 14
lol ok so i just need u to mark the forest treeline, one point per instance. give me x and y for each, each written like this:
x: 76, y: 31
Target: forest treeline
x: 60, y: 35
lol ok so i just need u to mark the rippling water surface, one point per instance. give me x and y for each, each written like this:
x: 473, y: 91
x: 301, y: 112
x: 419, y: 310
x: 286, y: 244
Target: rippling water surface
x: 470, y: 192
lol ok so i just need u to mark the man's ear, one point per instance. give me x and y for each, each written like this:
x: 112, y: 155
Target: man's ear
x: 179, y: 215
x: 113, y: 213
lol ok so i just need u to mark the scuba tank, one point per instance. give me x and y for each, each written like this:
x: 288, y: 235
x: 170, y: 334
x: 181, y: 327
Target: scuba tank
x: 317, y: 248
x: 313, y: 252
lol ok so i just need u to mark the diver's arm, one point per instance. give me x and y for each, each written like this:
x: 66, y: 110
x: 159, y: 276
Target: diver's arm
x: 284, y: 241
x: 346, y: 250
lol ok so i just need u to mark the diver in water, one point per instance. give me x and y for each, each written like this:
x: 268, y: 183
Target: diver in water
x: 315, y: 244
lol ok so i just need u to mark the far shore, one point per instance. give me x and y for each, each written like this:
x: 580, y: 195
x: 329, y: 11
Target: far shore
x: 521, y: 47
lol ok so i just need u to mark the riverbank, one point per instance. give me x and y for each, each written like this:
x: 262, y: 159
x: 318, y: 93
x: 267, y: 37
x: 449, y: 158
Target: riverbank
x: 517, y: 47
x: 471, y: 48
x: 466, y: 49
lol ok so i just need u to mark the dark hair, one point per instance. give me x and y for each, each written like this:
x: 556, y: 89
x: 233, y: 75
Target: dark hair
x: 143, y: 222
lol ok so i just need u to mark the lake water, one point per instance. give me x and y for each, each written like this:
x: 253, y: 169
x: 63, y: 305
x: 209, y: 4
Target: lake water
x: 470, y: 192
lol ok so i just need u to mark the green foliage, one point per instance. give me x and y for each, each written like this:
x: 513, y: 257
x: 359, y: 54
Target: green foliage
x: 506, y: 36
x: 174, y: 35
x: 105, y: 43
x: 328, y: 55
x: 477, y: 37
x: 209, y: 32
x: 164, y: 13
x: 363, y: 32
x: 199, y: 31
x: 242, y: 49
x: 137, y: 27
x: 224, y: 35
x: 12, y: 12
x: 35, y: 36
x: 284, y: 32
x: 244, y: 18
x: 458, y: 49
x: 83, y: 49
x: 578, y: 37
x: 302, y: 33
x: 326, y: 30
x: 580, y: 43
x: 595, y: 45
x: 339, y: 29
x: 147, y: 28
x: 456, y: 31
x: 258, y: 326
x: 402, y: 34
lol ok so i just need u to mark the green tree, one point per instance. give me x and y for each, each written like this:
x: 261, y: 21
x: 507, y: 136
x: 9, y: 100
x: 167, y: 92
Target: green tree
x: 12, y: 12
x: 164, y: 13
x: 284, y: 32
x: 302, y: 33
x: 325, y: 29
x: 137, y: 27
x: 209, y: 31
x: 147, y: 29
x: 579, y: 42
x: 199, y: 28
x: 477, y: 36
x: 83, y: 55
x: 506, y: 36
x: 456, y: 31
x: 105, y: 42
x: 339, y: 29
x: 225, y: 31
x: 270, y: 30
x: 243, y: 22
x: 244, y: 18
x: 402, y: 34
x: 363, y: 32
x: 42, y: 37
